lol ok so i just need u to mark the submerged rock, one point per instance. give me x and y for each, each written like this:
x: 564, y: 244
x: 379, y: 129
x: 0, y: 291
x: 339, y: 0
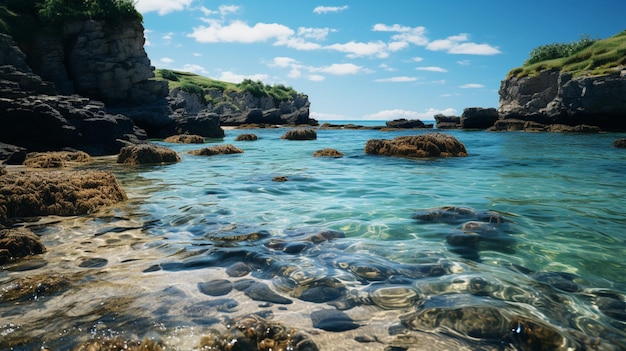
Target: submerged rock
x: 33, y: 287
x: 332, y: 320
x: 254, y: 333
x: 419, y: 146
x: 300, y: 134
x: 185, y: 139
x: 457, y: 215
x: 328, y: 152
x: 117, y: 343
x: 217, y: 150
x: 246, y: 137
x: 17, y: 243
x: 146, y: 154
x: 61, y: 193
x: 620, y: 143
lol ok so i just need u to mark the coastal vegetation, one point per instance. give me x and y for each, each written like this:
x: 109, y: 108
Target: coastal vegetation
x: 584, y: 57
x: 21, y: 18
x: 202, y: 86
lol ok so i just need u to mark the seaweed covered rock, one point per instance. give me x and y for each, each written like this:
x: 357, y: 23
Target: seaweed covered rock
x: 34, y: 287
x: 185, y: 139
x: 56, y: 159
x: 118, y: 343
x: 217, y: 150
x: 254, y: 333
x: 620, y: 143
x: 419, y: 146
x: 328, y: 152
x: 246, y: 137
x: 17, y: 243
x: 144, y: 154
x: 300, y: 134
x: 60, y: 193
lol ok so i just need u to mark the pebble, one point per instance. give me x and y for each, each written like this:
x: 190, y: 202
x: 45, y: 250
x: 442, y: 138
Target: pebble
x: 218, y: 287
x: 332, y: 320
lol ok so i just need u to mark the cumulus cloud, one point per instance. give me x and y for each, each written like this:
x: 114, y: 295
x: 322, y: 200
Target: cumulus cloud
x: 240, y: 32
x: 232, y: 77
x: 340, y: 69
x: 316, y: 77
x: 399, y: 79
x: 327, y: 9
x: 360, y: 49
x: 163, y: 7
x: 458, y: 44
x: 194, y: 69
x: 472, y: 86
x: 399, y: 113
x: 432, y: 69
x: 166, y: 60
x: 314, y: 33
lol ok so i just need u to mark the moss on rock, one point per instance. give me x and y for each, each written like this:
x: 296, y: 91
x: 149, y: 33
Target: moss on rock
x: 185, y: 139
x: 217, y: 150
x: 55, y: 159
x: 61, y: 193
x: 18, y: 243
x: 418, y: 146
x: 146, y: 154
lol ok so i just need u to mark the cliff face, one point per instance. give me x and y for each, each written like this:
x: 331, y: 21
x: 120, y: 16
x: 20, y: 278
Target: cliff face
x: 90, y: 58
x: 553, y: 97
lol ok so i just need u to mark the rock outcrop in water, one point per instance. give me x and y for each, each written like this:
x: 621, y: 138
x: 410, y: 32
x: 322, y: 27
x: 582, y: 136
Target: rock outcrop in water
x: 555, y: 97
x: 147, y: 154
x: 419, y: 146
x: 17, y: 243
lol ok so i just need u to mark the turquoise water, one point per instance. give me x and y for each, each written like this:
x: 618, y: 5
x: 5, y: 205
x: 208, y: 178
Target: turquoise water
x: 384, y: 240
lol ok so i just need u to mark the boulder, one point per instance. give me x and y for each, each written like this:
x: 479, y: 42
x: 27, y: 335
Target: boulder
x: 420, y: 146
x: 328, y: 152
x: 447, y: 122
x: 146, y: 154
x: 217, y: 150
x: 404, y: 123
x: 56, y: 159
x: 204, y: 123
x: 63, y: 193
x: 185, y: 139
x: 555, y: 97
x: 17, y: 243
x: 478, y: 118
x: 300, y: 134
x: 246, y: 137
x: 620, y: 143
x: 11, y: 154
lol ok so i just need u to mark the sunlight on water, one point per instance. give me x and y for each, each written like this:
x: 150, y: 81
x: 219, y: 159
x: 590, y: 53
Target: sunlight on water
x: 519, y: 244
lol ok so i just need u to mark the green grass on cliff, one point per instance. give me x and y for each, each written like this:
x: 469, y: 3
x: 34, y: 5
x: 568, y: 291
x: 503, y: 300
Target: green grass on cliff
x: 194, y: 83
x: 603, y: 57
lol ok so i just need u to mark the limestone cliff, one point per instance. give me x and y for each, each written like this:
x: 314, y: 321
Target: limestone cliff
x: 555, y: 97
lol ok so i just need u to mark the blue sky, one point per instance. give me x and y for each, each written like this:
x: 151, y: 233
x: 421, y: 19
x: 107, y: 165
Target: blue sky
x: 369, y: 59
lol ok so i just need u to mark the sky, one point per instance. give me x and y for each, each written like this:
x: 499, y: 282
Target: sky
x: 366, y: 59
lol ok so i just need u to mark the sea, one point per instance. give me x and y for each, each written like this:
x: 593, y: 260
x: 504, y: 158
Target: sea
x: 519, y: 246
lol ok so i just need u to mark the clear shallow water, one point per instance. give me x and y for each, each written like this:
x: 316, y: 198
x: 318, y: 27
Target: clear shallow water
x: 356, y: 234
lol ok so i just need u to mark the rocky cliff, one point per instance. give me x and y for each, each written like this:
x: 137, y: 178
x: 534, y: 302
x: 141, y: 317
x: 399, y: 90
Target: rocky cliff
x: 555, y: 97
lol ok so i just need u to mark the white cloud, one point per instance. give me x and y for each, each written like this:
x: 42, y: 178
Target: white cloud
x: 145, y: 35
x: 314, y: 33
x: 298, y: 44
x: 471, y: 86
x: 316, y: 77
x: 412, y: 35
x: 197, y: 54
x: 379, y: 27
x: 400, y: 79
x: 340, y: 69
x: 282, y: 61
x: 194, y: 69
x: 398, y: 113
x: 327, y: 9
x: 167, y: 36
x: 417, y: 59
x: 240, y: 32
x: 457, y: 44
x: 327, y: 116
x: 166, y: 60
x: 432, y: 69
x: 398, y: 45
x: 463, y: 62
x: 163, y: 7
x: 231, y: 77
x: 386, y: 67
x: 359, y: 49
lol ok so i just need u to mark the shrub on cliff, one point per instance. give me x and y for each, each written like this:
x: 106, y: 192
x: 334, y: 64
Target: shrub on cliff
x: 23, y: 18
x: 558, y: 50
